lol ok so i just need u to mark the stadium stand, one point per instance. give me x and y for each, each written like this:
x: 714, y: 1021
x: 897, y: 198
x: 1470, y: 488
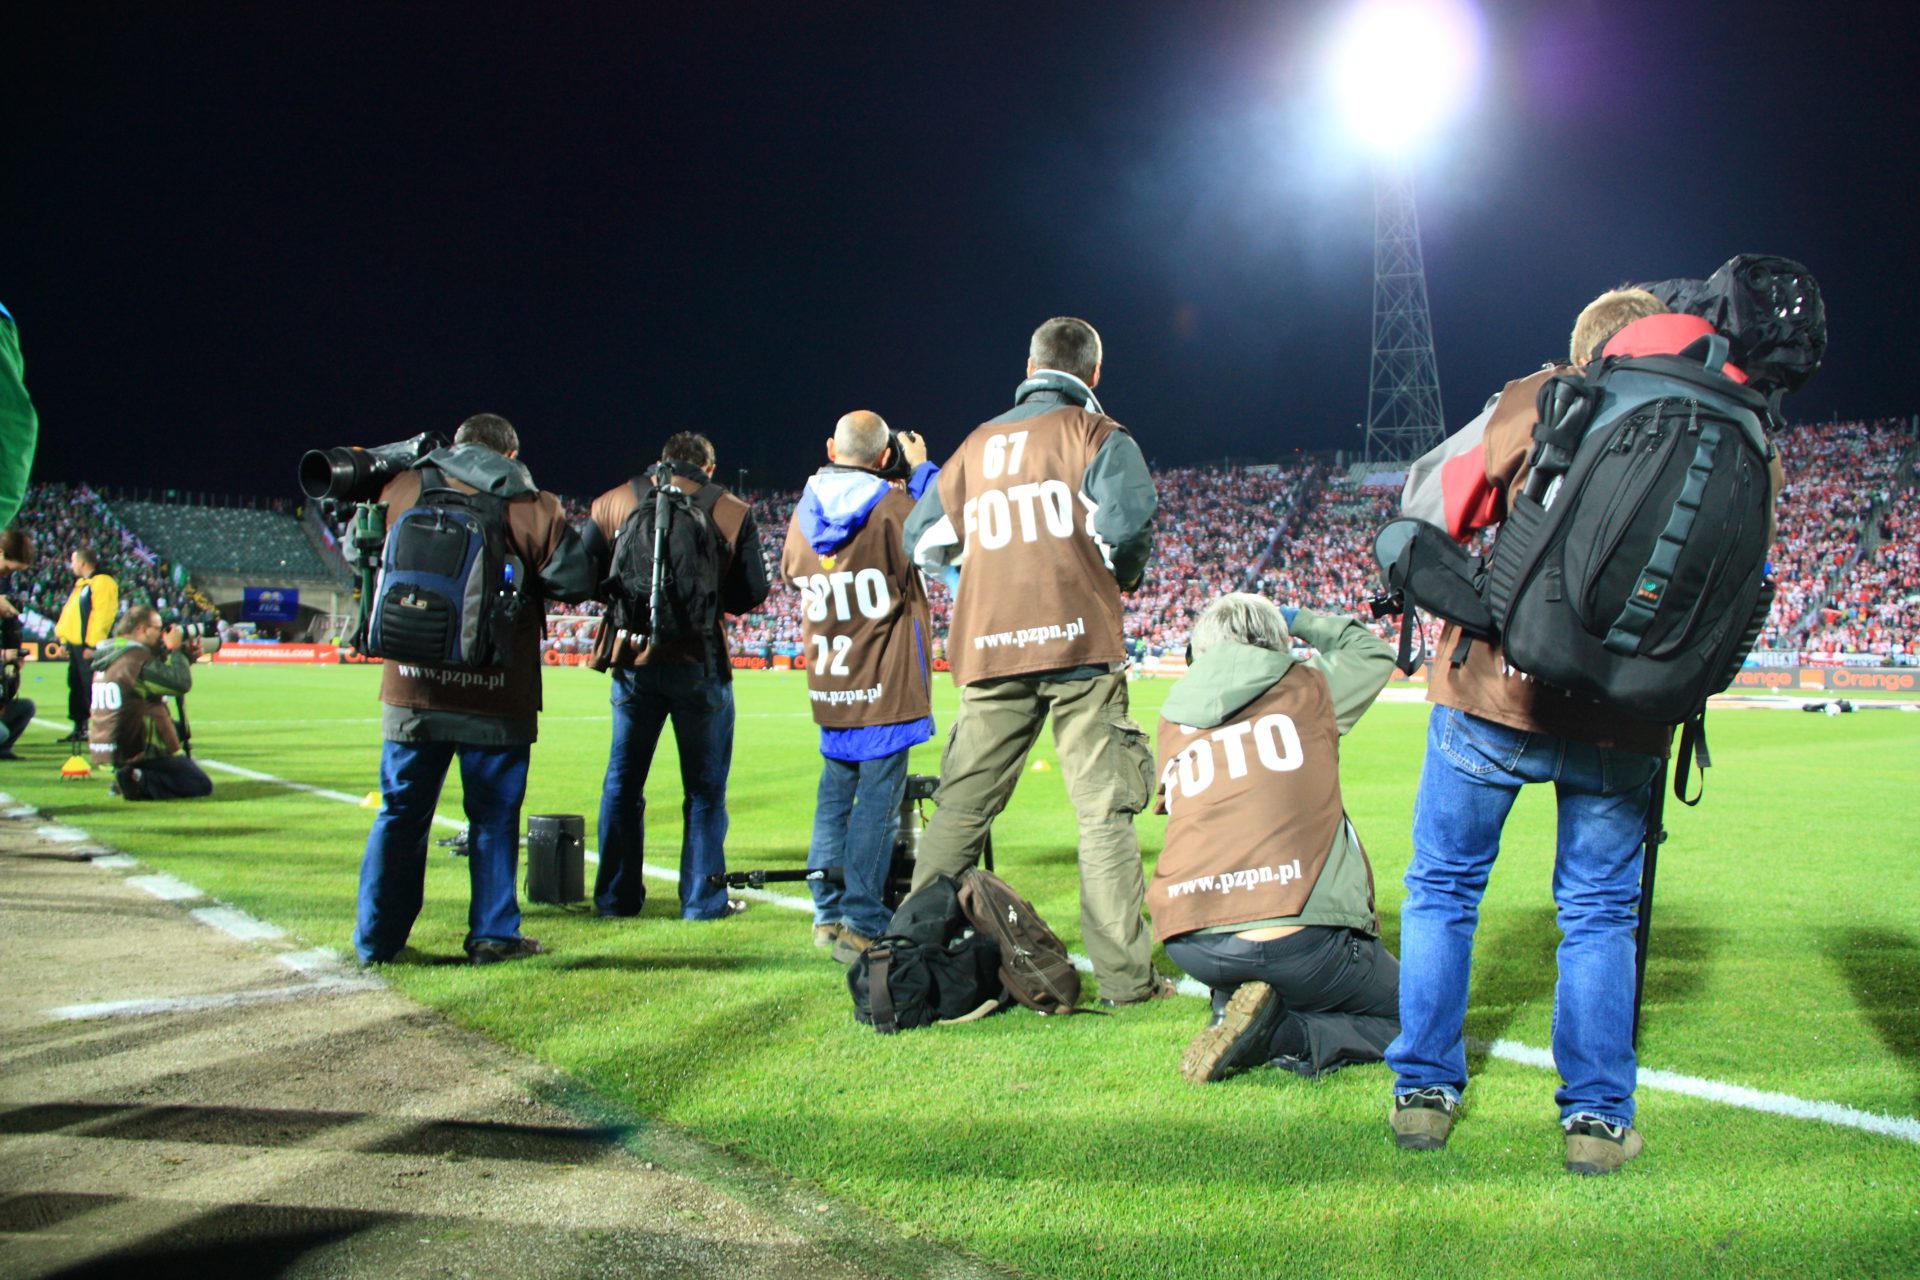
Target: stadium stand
x: 61, y: 517
x: 224, y: 539
x: 1847, y: 558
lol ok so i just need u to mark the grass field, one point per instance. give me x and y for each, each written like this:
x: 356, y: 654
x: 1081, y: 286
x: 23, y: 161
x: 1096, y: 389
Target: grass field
x: 1786, y: 958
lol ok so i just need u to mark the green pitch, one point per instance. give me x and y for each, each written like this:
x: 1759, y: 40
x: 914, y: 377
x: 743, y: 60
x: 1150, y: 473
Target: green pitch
x: 1786, y: 959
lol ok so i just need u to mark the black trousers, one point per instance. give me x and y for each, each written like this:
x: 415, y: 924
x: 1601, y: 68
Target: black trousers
x: 164, y: 778
x: 79, y: 689
x: 16, y: 716
x: 1341, y: 989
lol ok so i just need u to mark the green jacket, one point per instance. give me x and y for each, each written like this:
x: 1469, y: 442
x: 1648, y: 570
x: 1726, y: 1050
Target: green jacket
x: 1356, y: 665
x: 19, y: 424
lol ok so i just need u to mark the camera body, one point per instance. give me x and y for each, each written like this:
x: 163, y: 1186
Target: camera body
x: 357, y: 475
x: 206, y: 633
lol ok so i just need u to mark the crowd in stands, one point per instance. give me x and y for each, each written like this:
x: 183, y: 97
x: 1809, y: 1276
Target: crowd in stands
x: 1835, y: 472
x: 1876, y: 607
x: 1848, y: 543
x: 60, y: 518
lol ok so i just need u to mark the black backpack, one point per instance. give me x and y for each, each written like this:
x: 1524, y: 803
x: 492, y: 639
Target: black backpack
x: 450, y: 591
x: 663, y: 580
x: 1631, y: 569
x: 929, y: 966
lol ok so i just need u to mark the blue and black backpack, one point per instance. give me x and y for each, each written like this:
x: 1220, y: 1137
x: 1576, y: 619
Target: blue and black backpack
x: 450, y: 591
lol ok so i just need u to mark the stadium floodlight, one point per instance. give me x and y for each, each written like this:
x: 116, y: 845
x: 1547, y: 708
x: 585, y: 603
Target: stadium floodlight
x: 1402, y: 68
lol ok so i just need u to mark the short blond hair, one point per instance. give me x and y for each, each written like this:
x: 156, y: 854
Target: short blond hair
x: 1607, y: 315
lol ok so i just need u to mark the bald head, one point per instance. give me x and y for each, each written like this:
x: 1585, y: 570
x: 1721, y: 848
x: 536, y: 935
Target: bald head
x: 859, y: 439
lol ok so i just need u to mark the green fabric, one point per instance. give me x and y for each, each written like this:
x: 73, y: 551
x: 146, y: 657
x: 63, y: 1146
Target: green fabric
x: 19, y: 424
x: 163, y: 675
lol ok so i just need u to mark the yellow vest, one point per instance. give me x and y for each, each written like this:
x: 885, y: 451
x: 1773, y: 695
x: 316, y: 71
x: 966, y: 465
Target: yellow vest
x: 102, y: 608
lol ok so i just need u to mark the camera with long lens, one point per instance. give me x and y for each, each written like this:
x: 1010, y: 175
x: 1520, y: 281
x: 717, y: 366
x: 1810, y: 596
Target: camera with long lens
x: 205, y: 632
x: 356, y: 474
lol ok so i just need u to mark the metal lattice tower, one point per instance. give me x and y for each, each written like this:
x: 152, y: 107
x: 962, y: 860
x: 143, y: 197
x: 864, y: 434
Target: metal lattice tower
x: 1404, y: 418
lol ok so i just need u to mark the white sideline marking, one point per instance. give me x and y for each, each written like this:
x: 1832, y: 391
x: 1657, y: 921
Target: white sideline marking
x: 18, y: 810
x: 61, y: 835
x: 236, y: 923
x: 166, y: 888
x: 117, y: 861
x: 1904, y: 1128
x: 196, y: 1004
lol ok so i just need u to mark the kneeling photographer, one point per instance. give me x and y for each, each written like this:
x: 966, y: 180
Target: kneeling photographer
x: 134, y: 673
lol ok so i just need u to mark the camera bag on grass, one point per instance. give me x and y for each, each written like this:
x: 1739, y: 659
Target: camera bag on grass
x: 449, y: 591
x: 663, y: 583
x: 1034, y: 965
x: 930, y: 966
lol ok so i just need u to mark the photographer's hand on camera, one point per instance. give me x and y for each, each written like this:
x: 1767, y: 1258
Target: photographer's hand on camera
x: 913, y: 447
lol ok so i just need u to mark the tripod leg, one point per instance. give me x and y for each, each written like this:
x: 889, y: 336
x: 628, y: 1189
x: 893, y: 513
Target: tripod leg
x: 1643, y: 927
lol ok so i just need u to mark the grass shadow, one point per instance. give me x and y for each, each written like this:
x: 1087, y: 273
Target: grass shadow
x: 1883, y: 968
x: 1512, y: 967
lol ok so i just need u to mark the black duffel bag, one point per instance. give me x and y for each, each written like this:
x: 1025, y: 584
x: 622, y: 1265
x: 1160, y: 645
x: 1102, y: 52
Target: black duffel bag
x: 930, y: 966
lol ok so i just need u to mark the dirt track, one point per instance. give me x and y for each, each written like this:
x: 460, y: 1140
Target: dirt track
x: 270, y: 1113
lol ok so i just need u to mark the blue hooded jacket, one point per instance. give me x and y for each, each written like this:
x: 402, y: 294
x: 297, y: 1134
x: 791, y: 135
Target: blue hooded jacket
x: 834, y: 507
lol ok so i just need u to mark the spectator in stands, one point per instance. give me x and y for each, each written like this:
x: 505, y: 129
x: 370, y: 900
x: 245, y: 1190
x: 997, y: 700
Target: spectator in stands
x: 85, y: 622
x: 131, y: 730
x: 689, y: 682
x: 430, y: 715
x: 1263, y: 891
x: 16, y: 712
x: 19, y: 424
x: 1037, y: 633
x: 869, y: 684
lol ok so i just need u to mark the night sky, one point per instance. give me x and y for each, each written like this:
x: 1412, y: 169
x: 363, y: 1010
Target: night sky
x: 231, y: 233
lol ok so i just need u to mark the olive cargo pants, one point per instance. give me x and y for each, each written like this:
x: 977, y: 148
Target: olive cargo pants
x: 1108, y: 769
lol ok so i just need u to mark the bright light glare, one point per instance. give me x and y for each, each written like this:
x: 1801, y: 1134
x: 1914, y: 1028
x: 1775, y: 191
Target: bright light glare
x: 1402, y: 68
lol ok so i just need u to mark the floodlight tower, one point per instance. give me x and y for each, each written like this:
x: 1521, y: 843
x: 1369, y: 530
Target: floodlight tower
x: 1404, y: 416
x: 1401, y: 67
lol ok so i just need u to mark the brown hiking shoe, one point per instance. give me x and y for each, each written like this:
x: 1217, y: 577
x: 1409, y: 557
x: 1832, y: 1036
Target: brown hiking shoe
x: 1422, y: 1119
x: 849, y: 945
x: 1242, y: 1038
x: 1595, y: 1147
x: 825, y: 935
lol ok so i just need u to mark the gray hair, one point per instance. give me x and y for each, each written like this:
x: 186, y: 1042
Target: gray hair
x: 1242, y: 618
x: 1066, y: 344
x: 860, y: 438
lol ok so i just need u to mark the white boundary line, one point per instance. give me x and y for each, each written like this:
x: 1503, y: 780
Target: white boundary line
x: 1902, y: 1128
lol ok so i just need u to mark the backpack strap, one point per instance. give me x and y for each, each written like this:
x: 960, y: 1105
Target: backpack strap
x: 1693, y: 742
x: 431, y: 477
x: 879, y: 997
x: 1630, y: 628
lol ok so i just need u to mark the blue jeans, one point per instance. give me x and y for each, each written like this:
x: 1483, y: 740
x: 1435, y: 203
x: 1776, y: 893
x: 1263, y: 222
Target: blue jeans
x: 393, y: 872
x: 701, y: 708
x: 1473, y: 772
x: 854, y: 816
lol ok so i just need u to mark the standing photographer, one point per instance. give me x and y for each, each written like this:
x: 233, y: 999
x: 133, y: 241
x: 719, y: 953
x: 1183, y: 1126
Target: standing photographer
x: 488, y: 718
x: 865, y: 627
x: 134, y: 673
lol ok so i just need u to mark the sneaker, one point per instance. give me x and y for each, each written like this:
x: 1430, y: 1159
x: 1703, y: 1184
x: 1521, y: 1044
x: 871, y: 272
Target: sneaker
x: 825, y: 935
x: 1421, y: 1120
x: 849, y: 945
x: 493, y: 951
x: 734, y: 907
x: 1595, y: 1147
x: 1242, y: 1038
x: 1159, y: 989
